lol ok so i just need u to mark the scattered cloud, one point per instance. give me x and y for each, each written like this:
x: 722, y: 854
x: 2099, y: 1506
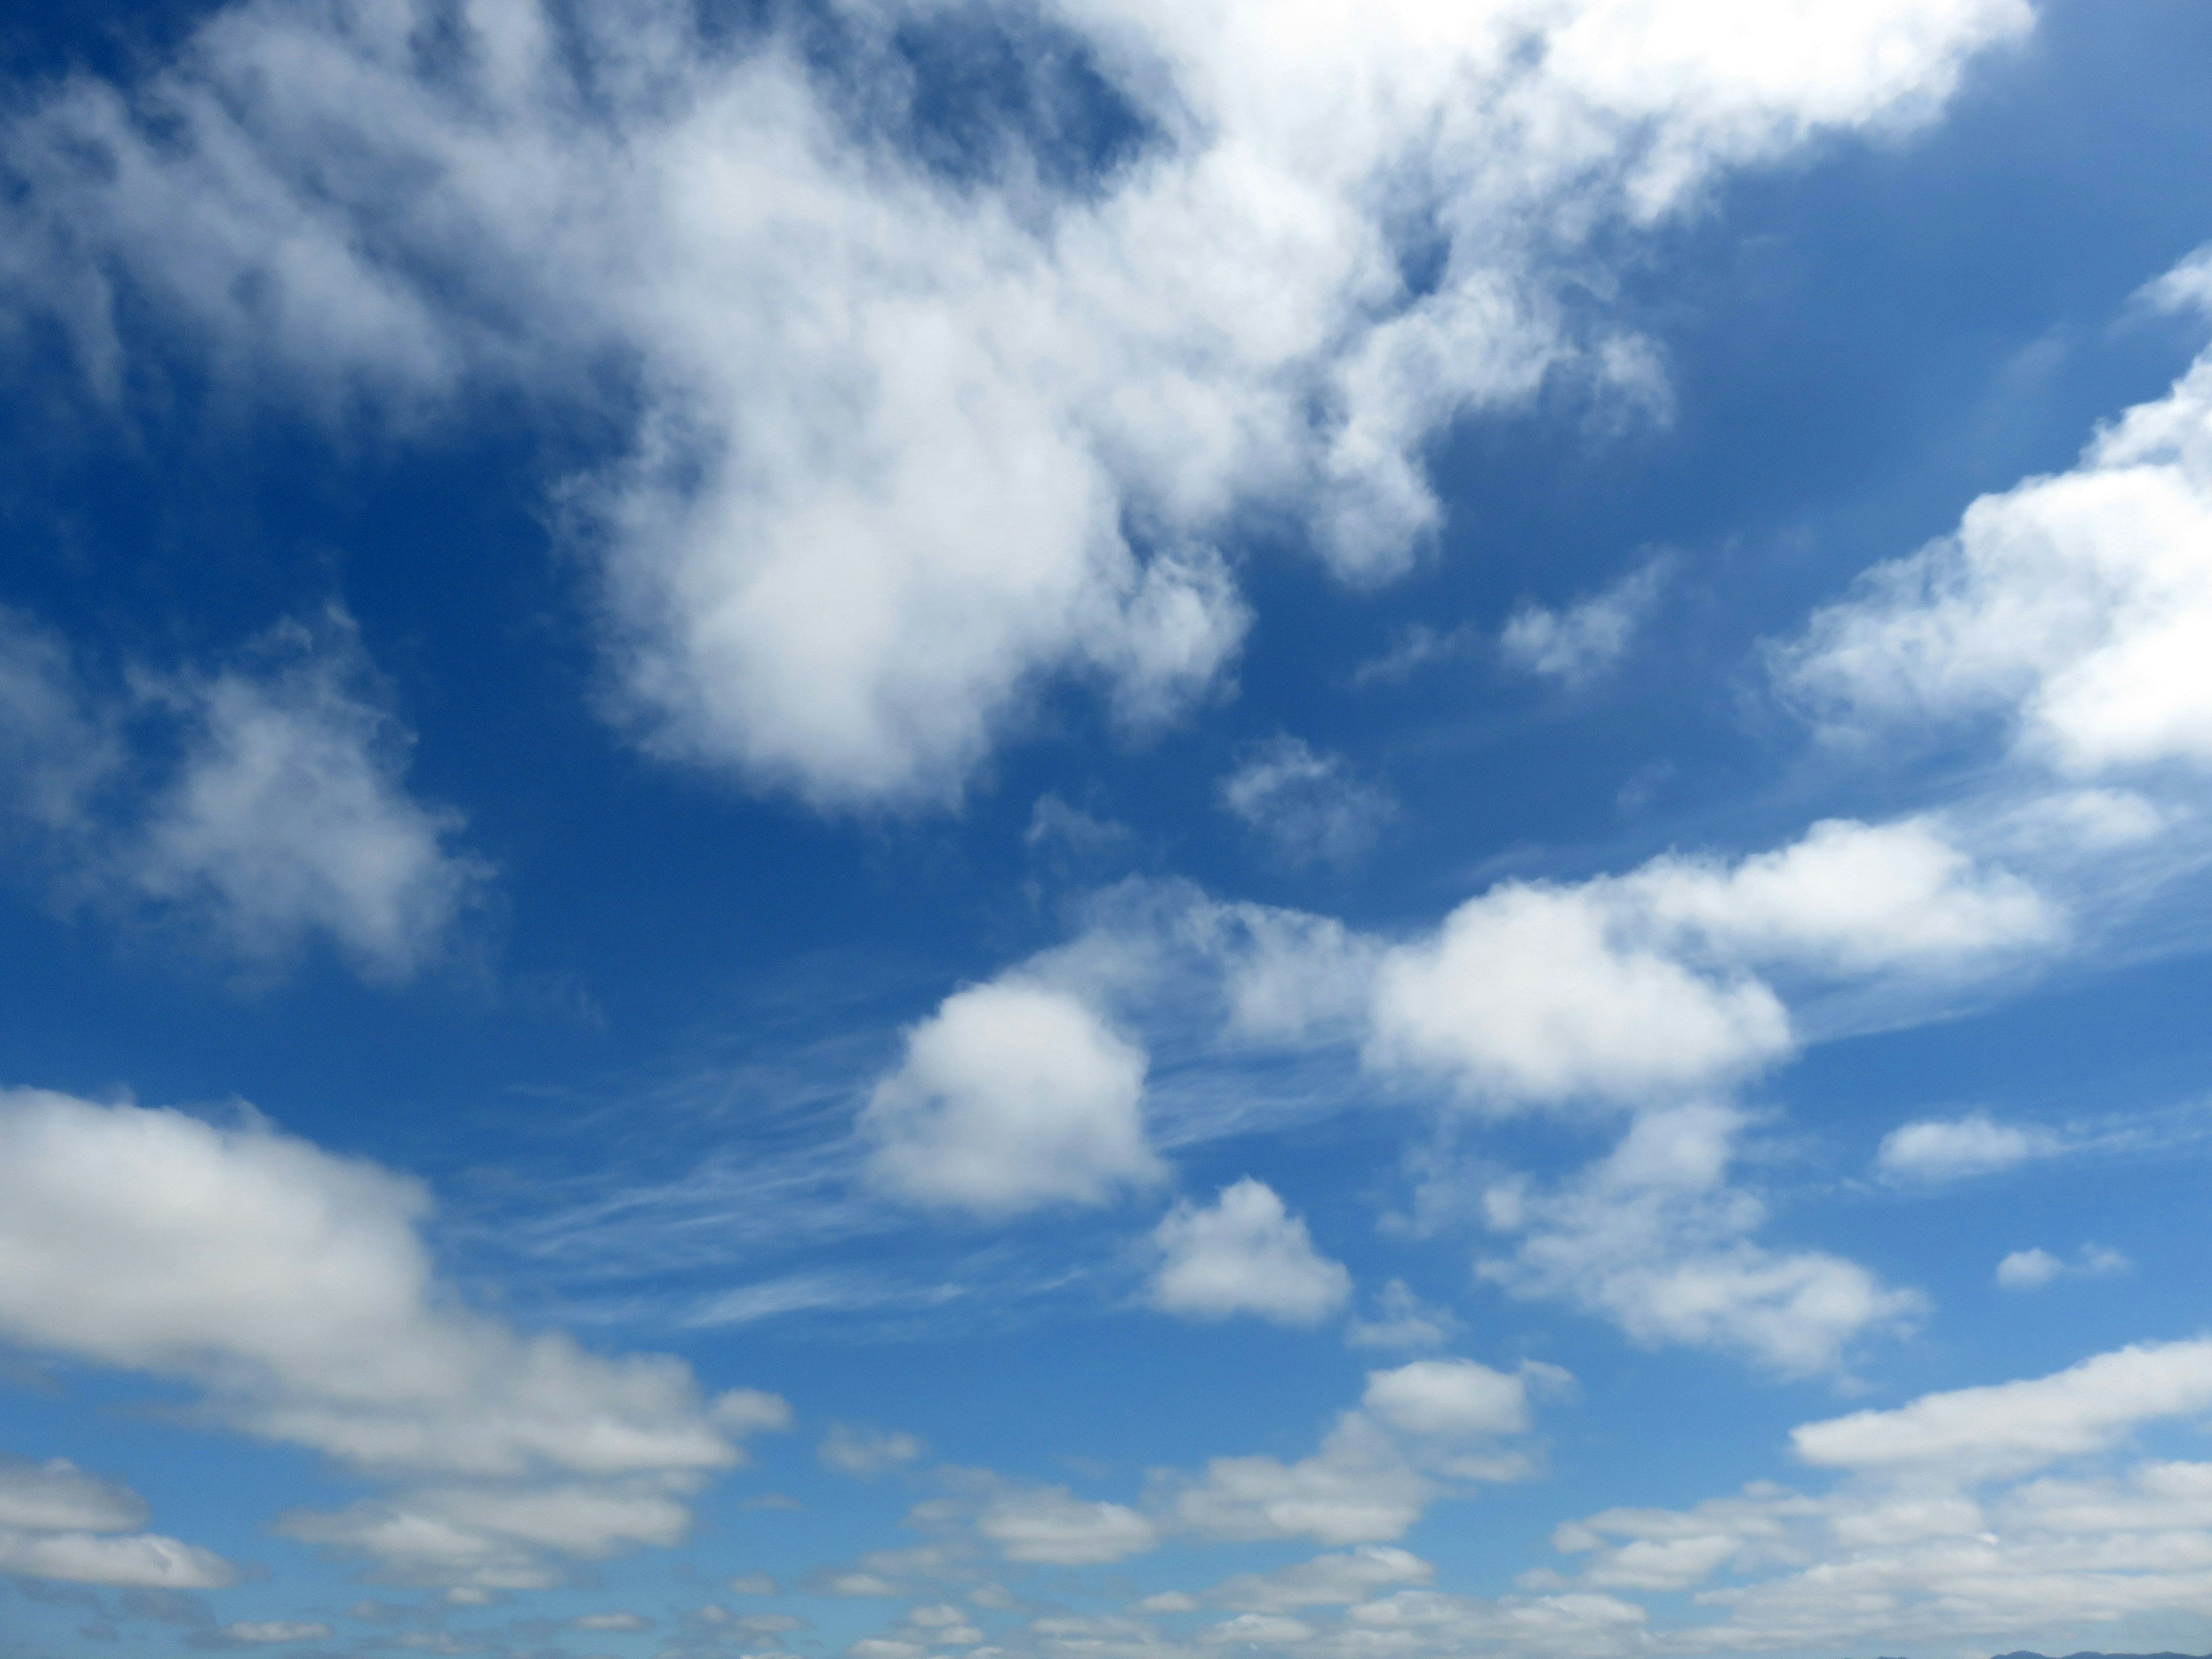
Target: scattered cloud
x: 1402, y: 1320
x: 1012, y: 1095
x: 1306, y: 807
x: 257, y: 807
x: 295, y: 1289
x: 1245, y: 1255
x: 1589, y: 638
x: 1937, y: 1150
x: 1656, y: 1239
x: 2032, y: 1269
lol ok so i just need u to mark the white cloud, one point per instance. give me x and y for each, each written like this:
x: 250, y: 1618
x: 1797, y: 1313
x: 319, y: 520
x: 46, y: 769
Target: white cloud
x: 1307, y: 806
x: 1246, y: 1254
x: 56, y: 1496
x: 288, y: 817
x: 2187, y: 286
x: 610, y: 1621
x: 282, y: 816
x: 1325, y: 1581
x: 2029, y: 1270
x: 1401, y: 1320
x: 865, y: 1451
x: 293, y: 1287
x: 1655, y: 1238
x: 138, y: 1560
x: 908, y: 447
x: 1630, y: 986
x: 1456, y: 1397
x: 1050, y: 1524
x: 2012, y: 1427
x: 1948, y: 1149
x: 2073, y: 609
x: 755, y: 1583
x: 1012, y: 1095
x: 1588, y: 638
x: 1945, y: 1533
x: 1357, y: 1488
x: 281, y: 1630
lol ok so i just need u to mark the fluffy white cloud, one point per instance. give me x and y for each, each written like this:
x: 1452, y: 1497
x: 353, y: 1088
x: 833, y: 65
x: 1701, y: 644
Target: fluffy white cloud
x: 1307, y: 806
x: 282, y: 816
x: 295, y: 1288
x: 1245, y: 1255
x: 1326, y: 1580
x: 908, y: 443
x: 1457, y: 1397
x: 1358, y: 1487
x: 2011, y: 1427
x: 1589, y: 637
x: 1012, y: 1095
x: 1050, y: 1524
x: 1629, y: 986
x: 2032, y: 1269
x: 1944, y: 1533
x: 56, y: 1496
x: 2075, y: 609
x: 1947, y: 1149
x: 1655, y: 1238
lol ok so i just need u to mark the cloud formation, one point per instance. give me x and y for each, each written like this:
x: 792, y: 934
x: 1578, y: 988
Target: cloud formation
x: 910, y: 441
x: 295, y: 1289
x: 1012, y: 1095
x: 58, y: 1522
x: 1246, y: 1254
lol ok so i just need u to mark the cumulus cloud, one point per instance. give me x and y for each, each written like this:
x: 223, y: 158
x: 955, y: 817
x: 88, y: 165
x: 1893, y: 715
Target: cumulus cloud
x: 295, y: 1289
x: 2074, y: 609
x: 909, y: 442
x: 1948, y: 1149
x: 261, y: 804
x: 1655, y: 1238
x: 2032, y: 1269
x: 1630, y: 986
x: 1946, y: 1528
x: 1326, y: 1580
x: 1012, y: 1095
x: 58, y: 1521
x: 261, y: 1632
x: 1307, y: 806
x: 1244, y: 1255
x: 1052, y: 1525
x: 1587, y: 638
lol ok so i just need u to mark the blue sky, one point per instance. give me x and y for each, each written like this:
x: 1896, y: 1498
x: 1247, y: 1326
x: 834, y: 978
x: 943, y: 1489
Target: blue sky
x: 1105, y: 830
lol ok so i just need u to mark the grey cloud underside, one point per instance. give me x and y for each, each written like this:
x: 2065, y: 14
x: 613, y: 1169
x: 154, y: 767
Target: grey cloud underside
x: 910, y: 441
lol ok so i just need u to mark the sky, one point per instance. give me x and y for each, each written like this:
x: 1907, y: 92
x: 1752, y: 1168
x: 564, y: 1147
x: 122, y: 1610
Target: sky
x: 1105, y: 830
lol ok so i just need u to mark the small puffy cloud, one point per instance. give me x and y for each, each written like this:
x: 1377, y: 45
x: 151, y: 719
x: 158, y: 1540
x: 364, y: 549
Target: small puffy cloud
x: 1307, y: 806
x: 2187, y: 286
x: 295, y: 1288
x: 263, y: 1632
x: 1401, y: 1320
x: 1949, y: 1149
x: 1455, y: 1397
x: 1588, y: 638
x: 1050, y: 1524
x: 2029, y: 1270
x: 2032, y: 1269
x: 1011, y: 1096
x: 1656, y: 1239
x: 1244, y: 1255
x: 753, y: 1584
x: 865, y: 1451
x: 261, y: 806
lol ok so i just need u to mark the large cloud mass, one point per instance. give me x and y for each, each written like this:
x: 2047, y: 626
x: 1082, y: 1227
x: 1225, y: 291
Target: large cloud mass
x: 921, y: 419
